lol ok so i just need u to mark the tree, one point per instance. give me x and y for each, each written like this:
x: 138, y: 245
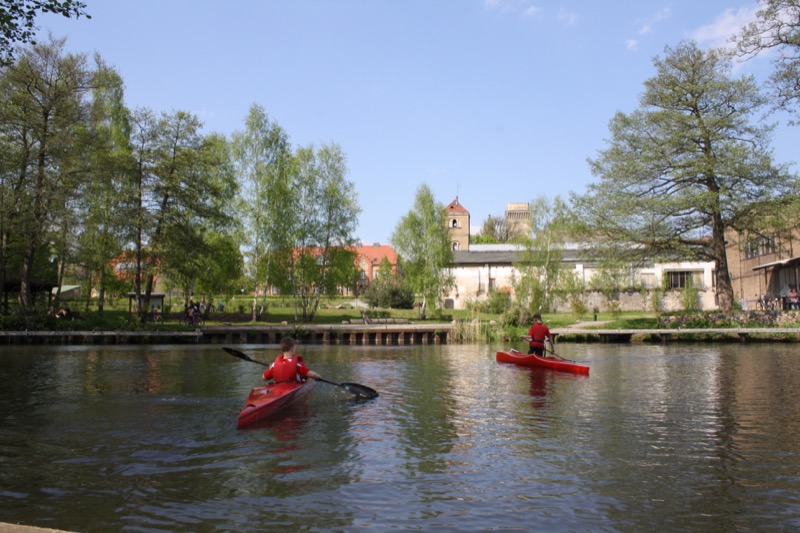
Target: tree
x: 388, y: 289
x: 494, y: 230
x: 44, y: 112
x: 684, y: 166
x: 262, y: 159
x: 777, y: 26
x: 422, y: 242
x: 17, y: 21
x: 178, y: 196
x: 320, y: 216
x: 542, y: 280
x: 104, y: 204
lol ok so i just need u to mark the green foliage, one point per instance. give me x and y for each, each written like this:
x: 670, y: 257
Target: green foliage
x: 18, y: 21
x: 578, y: 307
x: 389, y: 294
x: 423, y: 244
x: 690, y: 297
x: 494, y: 230
x: 517, y: 316
x: 498, y: 302
x: 300, y: 214
x: 776, y: 26
x: 474, y: 330
x: 542, y: 282
x: 684, y: 166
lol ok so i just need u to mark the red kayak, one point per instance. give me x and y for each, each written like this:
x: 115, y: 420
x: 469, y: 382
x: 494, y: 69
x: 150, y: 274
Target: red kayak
x: 519, y: 358
x: 266, y: 401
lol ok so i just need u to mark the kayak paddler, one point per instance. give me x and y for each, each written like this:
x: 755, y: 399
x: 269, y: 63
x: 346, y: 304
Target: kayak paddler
x: 289, y: 366
x: 537, y: 336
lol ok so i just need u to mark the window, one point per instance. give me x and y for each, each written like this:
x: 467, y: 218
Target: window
x: 453, y: 224
x: 683, y: 279
x: 455, y: 245
x: 757, y: 246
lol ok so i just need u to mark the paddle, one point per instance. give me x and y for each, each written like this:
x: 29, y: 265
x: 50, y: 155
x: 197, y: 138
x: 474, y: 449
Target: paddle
x: 362, y: 392
x: 554, y: 353
x: 551, y: 352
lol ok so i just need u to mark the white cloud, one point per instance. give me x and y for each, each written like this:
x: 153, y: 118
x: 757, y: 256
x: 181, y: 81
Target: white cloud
x: 647, y: 25
x: 725, y: 26
x: 531, y: 11
x: 509, y: 6
x: 525, y: 8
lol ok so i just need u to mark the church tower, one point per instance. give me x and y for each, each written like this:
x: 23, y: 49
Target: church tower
x: 457, y: 225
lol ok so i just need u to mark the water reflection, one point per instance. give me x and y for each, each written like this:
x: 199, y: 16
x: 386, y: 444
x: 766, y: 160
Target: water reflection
x: 679, y: 438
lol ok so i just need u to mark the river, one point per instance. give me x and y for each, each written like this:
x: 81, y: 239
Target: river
x: 679, y: 437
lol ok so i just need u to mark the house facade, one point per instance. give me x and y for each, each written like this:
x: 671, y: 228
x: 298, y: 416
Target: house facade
x: 480, y: 269
x: 764, y: 268
x: 368, y: 262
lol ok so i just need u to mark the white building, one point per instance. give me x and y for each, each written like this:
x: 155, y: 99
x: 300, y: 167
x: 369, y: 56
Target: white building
x: 481, y: 269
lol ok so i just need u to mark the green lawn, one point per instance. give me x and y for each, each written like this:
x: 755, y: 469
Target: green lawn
x: 331, y: 311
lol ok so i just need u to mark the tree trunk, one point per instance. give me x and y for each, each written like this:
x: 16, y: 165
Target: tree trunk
x: 724, y: 290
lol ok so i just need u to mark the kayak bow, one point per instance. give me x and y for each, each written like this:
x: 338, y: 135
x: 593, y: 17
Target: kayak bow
x: 519, y: 358
x: 268, y: 400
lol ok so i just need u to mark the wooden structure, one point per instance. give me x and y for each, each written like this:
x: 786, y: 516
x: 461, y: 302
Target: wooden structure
x: 156, y: 302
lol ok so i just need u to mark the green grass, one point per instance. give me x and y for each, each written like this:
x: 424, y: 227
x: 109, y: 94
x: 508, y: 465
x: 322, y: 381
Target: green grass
x: 331, y: 311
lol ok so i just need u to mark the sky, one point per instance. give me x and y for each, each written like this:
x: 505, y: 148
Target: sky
x: 487, y: 101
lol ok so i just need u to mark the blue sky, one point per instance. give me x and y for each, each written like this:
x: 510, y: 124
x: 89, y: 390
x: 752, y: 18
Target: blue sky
x: 493, y: 101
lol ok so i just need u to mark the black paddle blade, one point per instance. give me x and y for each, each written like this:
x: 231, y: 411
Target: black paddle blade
x: 241, y: 355
x: 361, y: 392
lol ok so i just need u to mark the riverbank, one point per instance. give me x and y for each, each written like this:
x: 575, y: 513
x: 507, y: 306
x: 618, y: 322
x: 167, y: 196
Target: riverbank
x: 354, y: 334
x: 389, y: 335
x: 16, y: 528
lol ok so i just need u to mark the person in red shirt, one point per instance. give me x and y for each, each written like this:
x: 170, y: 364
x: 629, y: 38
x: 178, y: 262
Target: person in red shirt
x: 538, y: 334
x: 288, y: 366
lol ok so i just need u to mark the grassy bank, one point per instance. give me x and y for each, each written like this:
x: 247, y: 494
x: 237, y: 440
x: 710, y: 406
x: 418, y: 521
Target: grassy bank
x: 468, y: 326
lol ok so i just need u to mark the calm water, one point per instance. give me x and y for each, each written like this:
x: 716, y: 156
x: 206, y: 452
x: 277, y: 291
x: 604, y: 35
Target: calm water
x: 669, y: 438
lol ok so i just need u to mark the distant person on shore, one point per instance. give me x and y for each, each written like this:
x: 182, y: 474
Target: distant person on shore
x: 537, y: 336
x: 793, y: 299
x: 289, y: 366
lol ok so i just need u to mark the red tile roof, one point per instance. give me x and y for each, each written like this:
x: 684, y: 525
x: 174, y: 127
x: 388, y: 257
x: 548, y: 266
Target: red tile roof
x: 456, y: 207
x: 374, y: 254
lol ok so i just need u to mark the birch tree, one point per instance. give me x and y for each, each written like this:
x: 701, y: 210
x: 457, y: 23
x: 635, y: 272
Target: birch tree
x: 423, y: 244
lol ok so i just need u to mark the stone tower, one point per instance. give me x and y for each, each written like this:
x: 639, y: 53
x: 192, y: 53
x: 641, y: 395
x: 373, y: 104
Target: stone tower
x: 518, y: 219
x: 457, y: 225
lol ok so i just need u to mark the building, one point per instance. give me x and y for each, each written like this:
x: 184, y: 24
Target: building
x: 518, y: 219
x: 763, y: 268
x: 481, y: 269
x: 368, y: 262
x: 458, y: 225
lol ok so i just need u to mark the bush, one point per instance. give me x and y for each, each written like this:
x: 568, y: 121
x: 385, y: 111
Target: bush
x: 498, y: 302
x: 389, y: 295
x: 578, y: 307
x: 689, y: 298
x: 516, y: 316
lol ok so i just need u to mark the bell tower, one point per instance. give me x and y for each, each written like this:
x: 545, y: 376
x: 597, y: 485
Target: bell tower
x: 457, y: 225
